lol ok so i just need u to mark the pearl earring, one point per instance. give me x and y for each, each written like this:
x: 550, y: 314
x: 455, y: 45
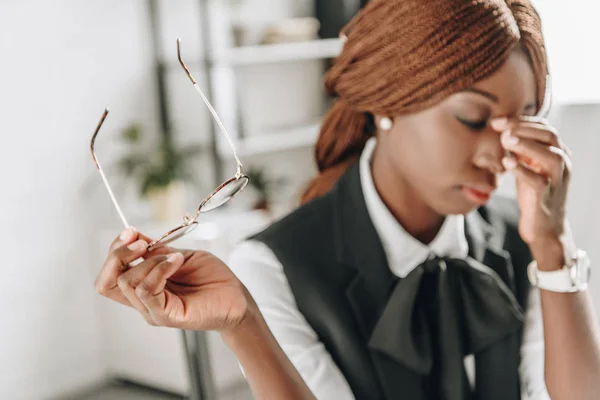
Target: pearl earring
x: 385, y: 123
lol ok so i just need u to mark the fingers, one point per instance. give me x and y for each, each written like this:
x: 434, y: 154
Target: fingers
x: 129, y: 281
x: 539, y: 184
x: 122, y: 254
x: 543, y: 159
x: 127, y: 236
x: 151, y: 291
x: 530, y: 128
x: 530, y: 178
x: 117, y: 279
x: 535, y: 144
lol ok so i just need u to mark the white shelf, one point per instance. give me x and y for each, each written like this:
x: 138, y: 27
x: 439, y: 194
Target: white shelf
x: 281, y: 52
x: 304, y: 136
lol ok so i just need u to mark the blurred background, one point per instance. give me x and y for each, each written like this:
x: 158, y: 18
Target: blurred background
x: 261, y: 63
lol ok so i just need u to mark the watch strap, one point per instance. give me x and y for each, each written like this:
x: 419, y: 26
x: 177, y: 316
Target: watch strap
x: 555, y: 281
x: 564, y: 280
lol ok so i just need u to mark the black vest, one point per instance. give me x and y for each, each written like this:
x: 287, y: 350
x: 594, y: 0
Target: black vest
x: 338, y: 273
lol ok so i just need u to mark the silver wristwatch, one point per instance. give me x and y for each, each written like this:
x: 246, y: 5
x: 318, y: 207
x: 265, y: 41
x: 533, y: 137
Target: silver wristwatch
x: 572, y: 277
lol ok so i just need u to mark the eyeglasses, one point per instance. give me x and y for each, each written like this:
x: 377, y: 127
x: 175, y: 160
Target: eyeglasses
x: 221, y: 195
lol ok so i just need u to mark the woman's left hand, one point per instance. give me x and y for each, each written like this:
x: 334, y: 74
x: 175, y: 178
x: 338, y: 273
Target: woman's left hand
x: 542, y: 165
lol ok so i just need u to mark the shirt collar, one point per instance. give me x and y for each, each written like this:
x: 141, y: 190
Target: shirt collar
x: 404, y: 253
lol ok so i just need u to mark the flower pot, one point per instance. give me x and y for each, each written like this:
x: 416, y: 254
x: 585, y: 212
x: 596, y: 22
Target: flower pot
x: 168, y: 203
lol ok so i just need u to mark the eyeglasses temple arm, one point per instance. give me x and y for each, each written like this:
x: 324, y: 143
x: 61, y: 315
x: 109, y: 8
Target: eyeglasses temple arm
x: 99, y: 167
x: 212, y: 110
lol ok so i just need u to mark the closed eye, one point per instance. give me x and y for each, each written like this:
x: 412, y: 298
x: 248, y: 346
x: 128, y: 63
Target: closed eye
x: 475, y: 125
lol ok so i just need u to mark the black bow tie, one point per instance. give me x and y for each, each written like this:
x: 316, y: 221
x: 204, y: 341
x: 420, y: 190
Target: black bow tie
x: 445, y: 309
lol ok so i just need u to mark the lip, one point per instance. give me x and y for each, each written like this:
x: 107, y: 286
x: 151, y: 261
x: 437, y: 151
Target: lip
x: 477, y: 194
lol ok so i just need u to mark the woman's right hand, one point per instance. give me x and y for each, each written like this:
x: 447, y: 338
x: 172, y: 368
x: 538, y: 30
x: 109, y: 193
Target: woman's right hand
x: 194, y: 290
x: 183, y: 289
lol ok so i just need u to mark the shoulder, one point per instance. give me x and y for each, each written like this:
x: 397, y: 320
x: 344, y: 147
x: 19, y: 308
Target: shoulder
x: 252, y: 253
x: 296, y: 232
x: 259, y: 269
x: 303, y: 246
x: 302, y: 227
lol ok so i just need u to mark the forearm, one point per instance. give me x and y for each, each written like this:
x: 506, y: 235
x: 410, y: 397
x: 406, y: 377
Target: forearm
x: 572, y: 338
x: 270, y: 373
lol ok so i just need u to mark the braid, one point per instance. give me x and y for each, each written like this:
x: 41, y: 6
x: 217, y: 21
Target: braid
x: 532, y: 41
x: 402, y: 56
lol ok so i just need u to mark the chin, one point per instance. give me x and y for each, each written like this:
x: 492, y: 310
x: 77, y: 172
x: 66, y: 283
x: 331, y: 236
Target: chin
x: 458, y: 209
x: 455, y: 205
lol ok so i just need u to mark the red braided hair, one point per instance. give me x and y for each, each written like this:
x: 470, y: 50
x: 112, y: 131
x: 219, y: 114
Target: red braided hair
x: 402, y: 56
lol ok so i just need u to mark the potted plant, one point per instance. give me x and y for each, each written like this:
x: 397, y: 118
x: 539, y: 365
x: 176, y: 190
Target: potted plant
x: 160, y: 170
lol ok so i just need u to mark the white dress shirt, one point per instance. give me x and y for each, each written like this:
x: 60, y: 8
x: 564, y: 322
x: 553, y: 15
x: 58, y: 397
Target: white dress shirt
x: 261, y: 272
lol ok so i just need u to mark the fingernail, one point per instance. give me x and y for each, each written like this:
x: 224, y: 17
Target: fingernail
x: 127, y: 233
x: 509, y: 139
x: 509, y: 162
x: 139, y: 245
x: 499, y: 124
x: 174, y: 257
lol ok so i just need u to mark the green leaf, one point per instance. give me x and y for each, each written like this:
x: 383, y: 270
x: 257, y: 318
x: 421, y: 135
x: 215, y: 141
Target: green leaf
x: 159, y: 164
x: 132, y: 134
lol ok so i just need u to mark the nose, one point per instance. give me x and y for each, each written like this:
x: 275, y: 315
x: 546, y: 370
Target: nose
x: 490, y: 152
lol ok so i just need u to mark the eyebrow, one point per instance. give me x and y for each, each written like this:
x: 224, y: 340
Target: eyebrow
x: 483, y: 93
x: 493, y: 97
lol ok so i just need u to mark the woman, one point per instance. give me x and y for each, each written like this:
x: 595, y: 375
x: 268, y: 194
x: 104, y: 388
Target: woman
x: 400, y: 276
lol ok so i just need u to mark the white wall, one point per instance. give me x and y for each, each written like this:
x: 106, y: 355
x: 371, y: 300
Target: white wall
x: 572, y: 32
x: 61, y: 63
x: 579, y: 126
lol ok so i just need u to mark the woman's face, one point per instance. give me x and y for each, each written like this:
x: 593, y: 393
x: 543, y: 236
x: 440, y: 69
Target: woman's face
x: 443, y: 152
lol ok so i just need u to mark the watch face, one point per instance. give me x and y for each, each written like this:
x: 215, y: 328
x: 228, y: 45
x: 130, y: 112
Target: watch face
x: 582, y: 269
